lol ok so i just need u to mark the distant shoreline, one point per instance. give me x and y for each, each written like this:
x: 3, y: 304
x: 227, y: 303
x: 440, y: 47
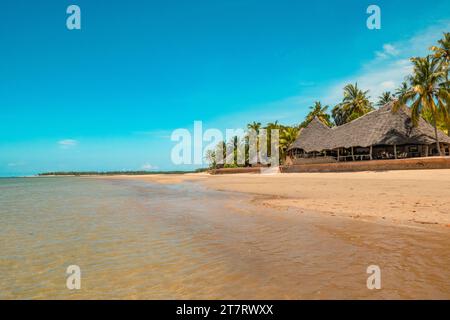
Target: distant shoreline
x: 111, y: 173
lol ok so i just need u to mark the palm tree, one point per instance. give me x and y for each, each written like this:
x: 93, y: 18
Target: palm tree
x: 426, y: 94
x: 356, y: 101
x: 319, y: 111
x: 232, y: 147
x: 354, y: 105
x: 269, y: 127
x: 385, y: 98
x: 404, y: 88
x: 339, y: 115
x: 210, y: 156
x: 442, y: 54
x: 254, y: 126
x: 287, y: 137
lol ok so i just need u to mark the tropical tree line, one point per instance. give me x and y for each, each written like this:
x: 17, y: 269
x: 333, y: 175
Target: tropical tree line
x: 426, y: 92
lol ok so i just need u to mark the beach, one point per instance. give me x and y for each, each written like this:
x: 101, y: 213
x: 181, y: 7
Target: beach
x: 197, y: 236
x: 407, y: 197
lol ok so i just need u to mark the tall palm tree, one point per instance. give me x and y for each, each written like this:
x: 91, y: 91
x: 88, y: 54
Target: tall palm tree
x: 404, y: 88
x: 233, y: 146
x: 287, y: 137
x: 426, y: 94
x: 319, y: 111
x: 273, y: 125
x: 269, y: 127
x: 254, y: 126
x: 385, y: 98
x: 354, y: 105
x: 442, y: 54
x: 356, y: 101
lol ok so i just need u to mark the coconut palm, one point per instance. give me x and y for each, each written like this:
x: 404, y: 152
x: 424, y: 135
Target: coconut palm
x: 404, y: 88
x: 354, y: 105
x: 426, y: 94
x: 442, y: 54
x: 319, y: 111
x: 232, y: 148
x: 339, y: 115
x: 356, y: 101
x: 385, y: 98
x: 254, y: 126
x: 287, y: 137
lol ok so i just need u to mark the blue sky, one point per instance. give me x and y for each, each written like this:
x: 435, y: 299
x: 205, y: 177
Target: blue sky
x: 108, y: 96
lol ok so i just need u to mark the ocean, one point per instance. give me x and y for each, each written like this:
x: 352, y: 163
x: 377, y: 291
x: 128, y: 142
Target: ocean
x: 139, y: 240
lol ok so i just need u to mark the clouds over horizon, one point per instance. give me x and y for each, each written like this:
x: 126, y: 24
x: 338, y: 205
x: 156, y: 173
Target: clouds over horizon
x: 67, y: 143
x: 384, y: 72
x: 390, y: 66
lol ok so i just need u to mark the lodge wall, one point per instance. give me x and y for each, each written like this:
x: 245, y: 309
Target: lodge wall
x: 373, y: 165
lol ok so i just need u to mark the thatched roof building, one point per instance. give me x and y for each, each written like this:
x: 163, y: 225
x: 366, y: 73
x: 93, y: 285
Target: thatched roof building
x: 381, y: 127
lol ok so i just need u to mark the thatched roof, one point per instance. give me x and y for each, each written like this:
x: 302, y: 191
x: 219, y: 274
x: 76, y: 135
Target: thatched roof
x: 314, y: 137
x: 379, y: 127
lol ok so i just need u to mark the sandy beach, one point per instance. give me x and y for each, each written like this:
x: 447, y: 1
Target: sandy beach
x: 415, y: 197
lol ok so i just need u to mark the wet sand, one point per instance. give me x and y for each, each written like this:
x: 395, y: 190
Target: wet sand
x: 416, y: 197
x: 137, y: 239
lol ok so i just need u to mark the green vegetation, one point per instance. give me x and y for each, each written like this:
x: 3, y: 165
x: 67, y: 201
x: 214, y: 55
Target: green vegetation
x: 354, y: 105
x: 426, y: 92
x: 319, y: 111
x: 385, y: 98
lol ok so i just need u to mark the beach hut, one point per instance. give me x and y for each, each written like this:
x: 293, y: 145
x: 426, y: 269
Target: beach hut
x: 380, y: 134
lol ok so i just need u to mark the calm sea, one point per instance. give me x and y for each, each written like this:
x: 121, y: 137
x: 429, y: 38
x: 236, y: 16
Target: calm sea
x: 135, y: 240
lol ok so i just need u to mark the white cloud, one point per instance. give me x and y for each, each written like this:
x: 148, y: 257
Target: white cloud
x: 385, y: 72
x: 16, y: 164
x: 388, y: 85
x: 148, y: 166
x: 390, y: 66
x: 67, y: 143
x: 389, y: 50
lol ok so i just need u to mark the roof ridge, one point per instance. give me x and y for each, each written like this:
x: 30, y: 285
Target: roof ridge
x: 366, y: 114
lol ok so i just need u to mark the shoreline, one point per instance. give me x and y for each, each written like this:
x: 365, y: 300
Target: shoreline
x: 419, y: 197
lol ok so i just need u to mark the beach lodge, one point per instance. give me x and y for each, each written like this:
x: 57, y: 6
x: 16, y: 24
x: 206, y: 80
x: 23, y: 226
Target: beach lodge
x: 380, y: 134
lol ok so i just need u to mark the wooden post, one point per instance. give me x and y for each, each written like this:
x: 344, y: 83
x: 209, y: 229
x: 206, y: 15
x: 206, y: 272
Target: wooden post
x: 353, y: 155
x: 371, y: 157
x: 395, y: 151
x: 338, y: 158
x: 426, y: 151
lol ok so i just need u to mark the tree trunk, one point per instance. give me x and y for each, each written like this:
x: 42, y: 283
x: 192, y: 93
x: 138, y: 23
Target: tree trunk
x: 437, y: 137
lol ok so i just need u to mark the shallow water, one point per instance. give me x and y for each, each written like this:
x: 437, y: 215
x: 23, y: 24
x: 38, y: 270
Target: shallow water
x: 136, y: 240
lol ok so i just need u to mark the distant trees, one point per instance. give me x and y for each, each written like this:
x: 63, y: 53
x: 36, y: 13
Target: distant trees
x: 385, y: 98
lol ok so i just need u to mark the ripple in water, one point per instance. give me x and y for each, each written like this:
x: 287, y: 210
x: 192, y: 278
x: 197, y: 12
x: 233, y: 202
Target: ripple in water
x: 136, y: 240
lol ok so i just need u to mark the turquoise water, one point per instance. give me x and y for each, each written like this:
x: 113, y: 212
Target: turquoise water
x: 135, y: 240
